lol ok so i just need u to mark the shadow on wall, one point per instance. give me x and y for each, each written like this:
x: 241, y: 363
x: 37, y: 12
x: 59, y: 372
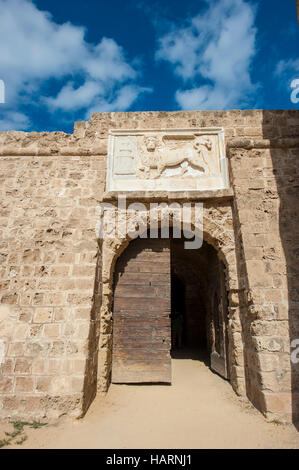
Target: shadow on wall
x: 91, y: 367
x: 281, y: 128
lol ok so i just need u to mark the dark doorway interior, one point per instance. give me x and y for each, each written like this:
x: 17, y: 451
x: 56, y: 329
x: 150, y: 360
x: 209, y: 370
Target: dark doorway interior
x: 198, y: 296
x: 178, y: 312
x: 187, y: 302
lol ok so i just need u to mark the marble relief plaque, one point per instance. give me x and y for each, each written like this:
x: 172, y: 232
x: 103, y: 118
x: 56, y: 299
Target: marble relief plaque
x: 166, y: 159
x: 125, y: 154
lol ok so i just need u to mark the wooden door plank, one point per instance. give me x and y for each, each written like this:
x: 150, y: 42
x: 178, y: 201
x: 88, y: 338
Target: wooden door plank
x: 218, y: 359
x: 141, y: 323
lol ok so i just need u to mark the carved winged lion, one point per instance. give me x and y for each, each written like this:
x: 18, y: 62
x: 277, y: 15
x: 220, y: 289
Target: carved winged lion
x: 159, y: 158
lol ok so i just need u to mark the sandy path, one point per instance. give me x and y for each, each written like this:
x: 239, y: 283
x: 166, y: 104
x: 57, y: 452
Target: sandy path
x: 199, y: 410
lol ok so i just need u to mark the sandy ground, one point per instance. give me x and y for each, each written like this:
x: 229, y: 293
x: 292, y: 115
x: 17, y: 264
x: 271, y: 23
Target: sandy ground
x: 199, y: 410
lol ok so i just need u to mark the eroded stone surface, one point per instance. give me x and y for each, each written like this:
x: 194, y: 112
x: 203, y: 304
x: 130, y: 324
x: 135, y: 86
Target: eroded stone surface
x: 56, y: 277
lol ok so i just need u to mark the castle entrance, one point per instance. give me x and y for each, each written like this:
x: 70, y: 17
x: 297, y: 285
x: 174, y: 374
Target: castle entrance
x: 169, y: 302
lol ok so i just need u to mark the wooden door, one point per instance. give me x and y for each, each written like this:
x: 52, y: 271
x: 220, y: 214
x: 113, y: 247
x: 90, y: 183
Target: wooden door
x: 141, y: 313
x: 219, y: 353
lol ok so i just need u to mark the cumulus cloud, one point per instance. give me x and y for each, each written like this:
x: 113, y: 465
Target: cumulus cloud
x: 212, y: 54
x: 71, y: 98
x: 35, y: 49
x: 122, y: 101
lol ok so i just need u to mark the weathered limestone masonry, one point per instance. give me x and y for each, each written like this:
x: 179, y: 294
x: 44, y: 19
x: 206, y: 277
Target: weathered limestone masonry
x: 56, y: 277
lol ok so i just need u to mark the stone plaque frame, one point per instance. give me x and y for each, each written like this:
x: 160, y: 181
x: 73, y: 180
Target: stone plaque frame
x: 166, y: 160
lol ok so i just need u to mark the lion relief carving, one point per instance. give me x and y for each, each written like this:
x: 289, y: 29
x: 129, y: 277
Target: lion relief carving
x: 155, y: 156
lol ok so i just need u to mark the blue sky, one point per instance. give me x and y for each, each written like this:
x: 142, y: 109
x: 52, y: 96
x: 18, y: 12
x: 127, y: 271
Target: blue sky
x: 62, y: 60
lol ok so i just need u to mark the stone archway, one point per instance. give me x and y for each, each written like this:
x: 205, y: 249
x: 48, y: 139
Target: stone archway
x: 217, y: 231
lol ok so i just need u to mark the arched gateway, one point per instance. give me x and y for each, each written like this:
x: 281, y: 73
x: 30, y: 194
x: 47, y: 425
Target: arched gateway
x: 157, y: 179
x: 167, y: 301
x: 80, y: 307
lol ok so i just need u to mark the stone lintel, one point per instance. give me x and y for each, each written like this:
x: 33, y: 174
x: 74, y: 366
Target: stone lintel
x: 149, y: 196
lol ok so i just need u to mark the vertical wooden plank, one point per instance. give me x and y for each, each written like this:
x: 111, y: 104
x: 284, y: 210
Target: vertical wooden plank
x: 219, y: 354
x: 141, y: 309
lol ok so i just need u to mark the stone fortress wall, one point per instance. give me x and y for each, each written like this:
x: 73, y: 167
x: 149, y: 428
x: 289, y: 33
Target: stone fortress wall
x: 55, y: 307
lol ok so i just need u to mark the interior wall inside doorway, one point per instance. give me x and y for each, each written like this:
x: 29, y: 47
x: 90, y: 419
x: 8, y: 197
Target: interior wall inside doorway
x: 195, y: 282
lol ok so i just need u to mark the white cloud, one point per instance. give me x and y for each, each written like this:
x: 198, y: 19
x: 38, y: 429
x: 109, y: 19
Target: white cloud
x: 288, y: 68
x: 34, y: 49
x: 107, y: 62
x: 14, y: 121
x: 70, y: 98
x: 214, y: 48
x: 122, y: 101
x: 287, y: 73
